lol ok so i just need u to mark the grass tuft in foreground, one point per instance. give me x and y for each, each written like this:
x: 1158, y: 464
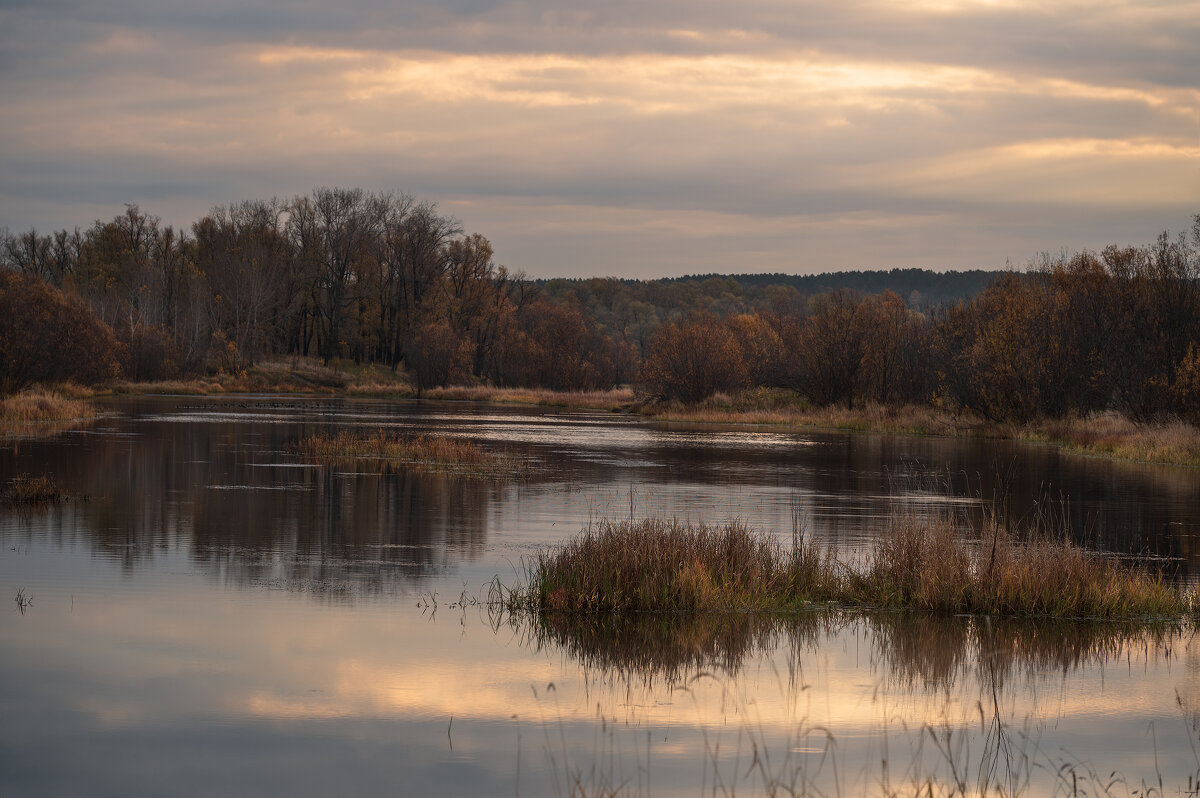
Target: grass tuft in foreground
x: 430, y: 452
x: 37, y: 410
x: 918, y: 564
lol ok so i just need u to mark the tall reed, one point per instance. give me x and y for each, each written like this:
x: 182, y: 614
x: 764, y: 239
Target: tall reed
x: 918, y: 564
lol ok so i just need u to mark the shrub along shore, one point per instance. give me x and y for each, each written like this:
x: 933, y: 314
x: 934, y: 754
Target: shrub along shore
x: 917, y: 564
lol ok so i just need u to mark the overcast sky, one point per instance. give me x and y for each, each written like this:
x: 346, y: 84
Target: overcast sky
x: 628, y: 137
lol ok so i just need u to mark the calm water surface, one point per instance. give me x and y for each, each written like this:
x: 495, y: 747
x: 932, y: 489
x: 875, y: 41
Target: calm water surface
x: 212, y: 614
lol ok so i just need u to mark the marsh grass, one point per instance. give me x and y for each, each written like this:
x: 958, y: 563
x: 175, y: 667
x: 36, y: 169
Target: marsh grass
x: 284, y: 375
x: 917, y: 564
x: 1104, y: 434
x: 615, y: 399
x: 1112, y: 435
x: 653, y: 565
x: 778, y: 407
x: 427, y: 452
x: 38, y: 410
x: 302, y: 375
x: 25, y: 489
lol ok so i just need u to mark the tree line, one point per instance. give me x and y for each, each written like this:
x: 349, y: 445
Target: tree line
x: 1074, y: 334
x: 387, y: 278
x: 341, y: 273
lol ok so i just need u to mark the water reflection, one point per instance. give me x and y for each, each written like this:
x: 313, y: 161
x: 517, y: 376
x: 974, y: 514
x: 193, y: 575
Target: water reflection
x: 911, y: 651
x: 230, y: 493
x: 830, y: 702
x: 166, y: 645
x: 217, y: 478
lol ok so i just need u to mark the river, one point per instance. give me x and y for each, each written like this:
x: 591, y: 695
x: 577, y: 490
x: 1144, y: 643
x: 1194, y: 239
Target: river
x: 211, y: 613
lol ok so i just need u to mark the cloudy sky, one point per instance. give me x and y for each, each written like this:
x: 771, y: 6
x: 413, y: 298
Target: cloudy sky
x: 629, y: 137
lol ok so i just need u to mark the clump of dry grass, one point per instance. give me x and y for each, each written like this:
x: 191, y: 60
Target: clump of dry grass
x: 25, y: 489
x: 918, y: 564
x: 1113, y: 435
x: 431, y: 452
x: 785, y: 408
x: 36, y: 410
x: 613, y: 399
x: 302, y: 375
x: 658, y: 566
x: 928, y: 565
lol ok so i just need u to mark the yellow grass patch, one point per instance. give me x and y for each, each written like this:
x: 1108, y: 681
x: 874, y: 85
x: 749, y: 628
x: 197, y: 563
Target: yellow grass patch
x: 38, y: 411
x: 428, y: 452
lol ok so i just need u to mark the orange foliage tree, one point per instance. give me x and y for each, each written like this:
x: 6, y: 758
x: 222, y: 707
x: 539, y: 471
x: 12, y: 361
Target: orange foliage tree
x: 47, y: 336
x: 694, y: 359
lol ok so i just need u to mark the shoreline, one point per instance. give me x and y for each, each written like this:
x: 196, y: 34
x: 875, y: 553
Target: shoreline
x: 1108, y: 435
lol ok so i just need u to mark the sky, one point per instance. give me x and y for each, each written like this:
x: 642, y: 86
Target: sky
x: 630, y: 138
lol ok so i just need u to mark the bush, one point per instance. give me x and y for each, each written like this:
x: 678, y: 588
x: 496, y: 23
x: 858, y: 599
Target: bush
x: 47, y: 336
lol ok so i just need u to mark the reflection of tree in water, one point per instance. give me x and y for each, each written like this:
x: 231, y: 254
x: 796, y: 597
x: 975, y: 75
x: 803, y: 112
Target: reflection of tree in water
x: 665, y: 647
x: 936, y: 652
x: 233, y: 496
x: 995, y: 663
x: 340, y: 531
x: 930, y: 652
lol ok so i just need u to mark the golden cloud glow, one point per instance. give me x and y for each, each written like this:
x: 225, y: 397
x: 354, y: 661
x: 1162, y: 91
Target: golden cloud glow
x: 648, y: 83
x: 712, y: 142
x: 665, y: 83
x: 1080, y: 171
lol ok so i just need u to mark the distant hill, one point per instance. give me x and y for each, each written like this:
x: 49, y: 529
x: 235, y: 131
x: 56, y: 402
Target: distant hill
x: 933, y: 288
x: 920, y: 288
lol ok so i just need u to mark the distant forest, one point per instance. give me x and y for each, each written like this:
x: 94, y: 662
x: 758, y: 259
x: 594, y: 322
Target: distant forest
x: 921, y: 289
x: 386, y: 278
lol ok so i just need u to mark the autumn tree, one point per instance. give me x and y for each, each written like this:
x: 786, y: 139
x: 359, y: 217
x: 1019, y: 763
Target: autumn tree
x: 411, y: 268
x: 759, y: 346
x: 552, y: 345
x: 825, y: 349
x: 247, y: 262
x: 47, y: 336
x: 895, y: 363
x: 335, y: 232
x: 694, y: 359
